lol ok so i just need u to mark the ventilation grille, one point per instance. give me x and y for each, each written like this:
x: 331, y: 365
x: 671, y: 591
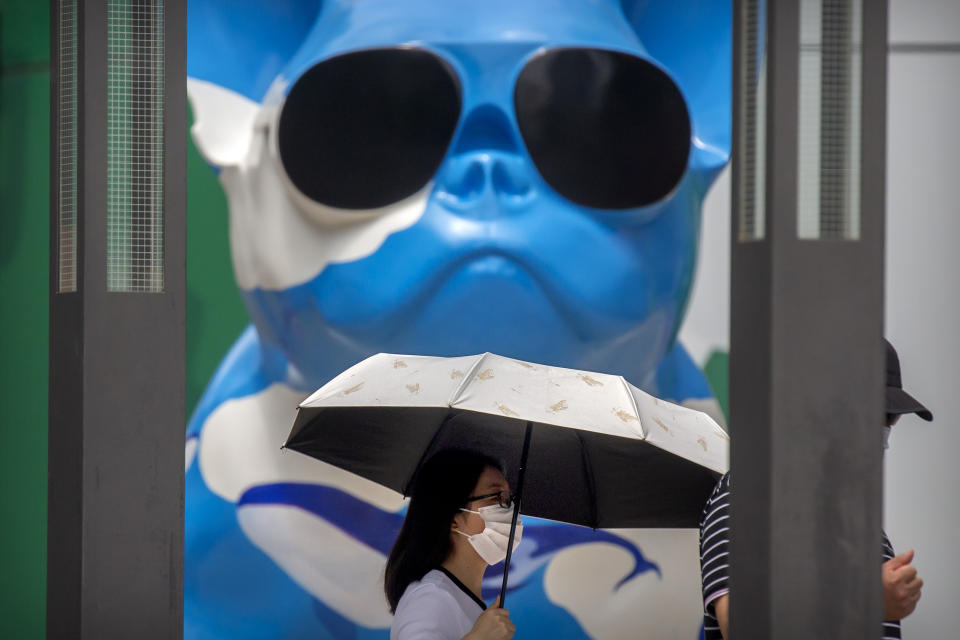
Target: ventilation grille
x: 753, y: 121
x: 135, y: 146
x: 828, y: 162
x: 67, y: 147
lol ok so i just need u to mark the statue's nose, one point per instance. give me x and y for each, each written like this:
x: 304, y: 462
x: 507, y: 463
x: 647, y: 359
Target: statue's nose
x: 486, y: 159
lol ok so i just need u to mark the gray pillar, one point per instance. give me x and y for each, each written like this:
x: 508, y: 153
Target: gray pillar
x: 806, y: 357
x: 117, y: 319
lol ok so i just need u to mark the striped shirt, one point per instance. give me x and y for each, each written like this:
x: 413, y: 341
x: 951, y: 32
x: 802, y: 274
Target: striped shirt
x: 891, y: 628
x: 714, y: 566
x: 714, y: 560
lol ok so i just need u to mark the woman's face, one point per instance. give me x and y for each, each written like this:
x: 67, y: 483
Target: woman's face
x: 490, y: 481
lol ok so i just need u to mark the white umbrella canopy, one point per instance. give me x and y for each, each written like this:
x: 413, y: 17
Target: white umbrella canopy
x: 602, y: 453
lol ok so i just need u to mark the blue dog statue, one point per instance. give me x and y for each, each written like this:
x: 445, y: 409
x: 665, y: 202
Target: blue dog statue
x: 442, y: 177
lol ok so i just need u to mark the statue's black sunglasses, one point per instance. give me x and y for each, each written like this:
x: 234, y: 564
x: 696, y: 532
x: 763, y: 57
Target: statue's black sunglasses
x: 365, y: 129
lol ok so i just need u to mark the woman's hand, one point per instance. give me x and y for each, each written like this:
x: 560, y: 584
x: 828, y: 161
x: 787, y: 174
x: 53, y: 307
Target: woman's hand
x: 493, y: 624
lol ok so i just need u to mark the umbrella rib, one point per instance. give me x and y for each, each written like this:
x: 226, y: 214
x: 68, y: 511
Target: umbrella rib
x: 466, y: 379
x: 633, y: 402
x: 591, y: 484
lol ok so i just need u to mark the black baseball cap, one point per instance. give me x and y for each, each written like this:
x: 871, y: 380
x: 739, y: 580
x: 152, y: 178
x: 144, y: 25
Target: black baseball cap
x: 899, y: 401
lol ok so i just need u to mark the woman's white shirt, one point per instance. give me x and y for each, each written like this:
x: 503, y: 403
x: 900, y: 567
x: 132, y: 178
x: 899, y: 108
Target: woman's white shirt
x: 436, y: 607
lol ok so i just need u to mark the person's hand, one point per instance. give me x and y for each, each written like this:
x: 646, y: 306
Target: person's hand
x: 493, y: 624
x: 901, y: 586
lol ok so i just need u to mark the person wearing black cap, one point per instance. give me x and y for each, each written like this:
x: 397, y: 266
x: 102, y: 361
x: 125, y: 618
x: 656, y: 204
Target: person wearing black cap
x: 901, y: 585
x: 898, y: 401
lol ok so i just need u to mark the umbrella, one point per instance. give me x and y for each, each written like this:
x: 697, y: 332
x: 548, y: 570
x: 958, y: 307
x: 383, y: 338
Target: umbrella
x: 588, y: 448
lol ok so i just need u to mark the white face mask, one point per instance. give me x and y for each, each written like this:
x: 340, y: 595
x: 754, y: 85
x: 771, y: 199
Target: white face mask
x: 491, y: 543
x: 886, y: 438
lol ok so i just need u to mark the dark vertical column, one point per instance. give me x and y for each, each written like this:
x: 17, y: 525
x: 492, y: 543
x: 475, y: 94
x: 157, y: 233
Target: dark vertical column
x: 115, y: 533
x: 173, y: 428
x: 806, y: 369
x: 65, y: 447
x: 750, y: 580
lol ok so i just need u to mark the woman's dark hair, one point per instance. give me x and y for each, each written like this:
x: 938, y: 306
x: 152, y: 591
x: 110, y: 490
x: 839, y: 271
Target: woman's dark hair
x: 440, y: 488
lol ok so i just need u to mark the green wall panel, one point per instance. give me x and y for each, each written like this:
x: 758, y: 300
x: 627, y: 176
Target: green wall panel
x: 215, y: 311
x: 24, y: 36
x: 717, y: 370
x: 24, y: 226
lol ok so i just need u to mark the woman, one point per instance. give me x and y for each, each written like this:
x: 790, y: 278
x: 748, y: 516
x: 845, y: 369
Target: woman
x: 457, y: 523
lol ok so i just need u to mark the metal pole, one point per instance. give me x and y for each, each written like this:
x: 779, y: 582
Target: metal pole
x: 117, y: 353
x: 516, y: 511
x: 806, y: 356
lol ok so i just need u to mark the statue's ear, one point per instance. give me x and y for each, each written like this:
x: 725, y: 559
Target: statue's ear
x: 693, y: 40
x: 242, y: 45
x: 235, y: 50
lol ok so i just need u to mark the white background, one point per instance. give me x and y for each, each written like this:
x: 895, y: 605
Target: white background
x: 922, y: 503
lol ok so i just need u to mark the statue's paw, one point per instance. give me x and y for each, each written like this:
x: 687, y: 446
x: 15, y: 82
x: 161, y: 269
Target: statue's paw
x: 662, y: 603
x: 240, y: 449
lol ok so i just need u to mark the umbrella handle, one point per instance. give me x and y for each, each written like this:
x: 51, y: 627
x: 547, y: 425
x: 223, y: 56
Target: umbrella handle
x: 516, y: 512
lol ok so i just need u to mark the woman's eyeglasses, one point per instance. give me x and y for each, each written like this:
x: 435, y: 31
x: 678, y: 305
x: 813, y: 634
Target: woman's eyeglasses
x: 504, y: 499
